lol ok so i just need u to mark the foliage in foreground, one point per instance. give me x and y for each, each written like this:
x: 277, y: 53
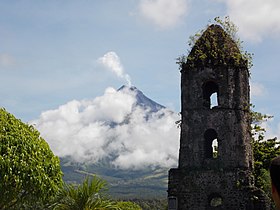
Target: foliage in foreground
x: 31, y: 178
x: 89, y: 195
x: 92, y: 194
x: 29, y: 171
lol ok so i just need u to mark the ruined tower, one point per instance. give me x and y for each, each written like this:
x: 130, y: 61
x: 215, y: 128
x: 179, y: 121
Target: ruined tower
x: 215, y: 159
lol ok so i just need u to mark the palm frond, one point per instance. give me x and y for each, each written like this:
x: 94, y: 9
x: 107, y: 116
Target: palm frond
x: 91, y: 194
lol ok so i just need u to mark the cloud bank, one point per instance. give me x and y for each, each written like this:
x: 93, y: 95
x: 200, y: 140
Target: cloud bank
x: 255, y: 18
x: 112, y: 127
x: 163, y: 13
x: 112, y: 62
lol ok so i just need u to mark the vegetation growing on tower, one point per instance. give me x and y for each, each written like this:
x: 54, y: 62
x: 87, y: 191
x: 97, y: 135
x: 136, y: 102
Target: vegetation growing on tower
x: 216, y: 45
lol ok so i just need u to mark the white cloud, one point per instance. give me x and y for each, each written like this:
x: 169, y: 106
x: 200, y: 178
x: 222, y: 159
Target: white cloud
x: 278, y: 132
x: 255, y: 18
x: 84, y: 130
x: 257, y: 89
x: 271, y: 131
x: 112, y: 62
x: 149, y: 143
x: 163, y: 13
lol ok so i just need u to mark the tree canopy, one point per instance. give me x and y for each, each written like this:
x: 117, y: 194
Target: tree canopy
x: 29, y: 171
x: 264, y: 151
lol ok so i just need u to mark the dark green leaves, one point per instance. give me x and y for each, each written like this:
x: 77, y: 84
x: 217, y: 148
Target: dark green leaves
x: 29, y: 171
x: 89, y: 195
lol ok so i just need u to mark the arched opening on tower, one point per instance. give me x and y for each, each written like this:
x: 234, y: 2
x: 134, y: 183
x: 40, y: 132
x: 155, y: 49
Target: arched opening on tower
x: 215, y: 148
x: 213, y: 100
x: 210, y: 94
x: 211, y: 144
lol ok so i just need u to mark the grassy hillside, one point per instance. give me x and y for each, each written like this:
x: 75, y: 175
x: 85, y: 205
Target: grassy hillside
x: 125, y: 184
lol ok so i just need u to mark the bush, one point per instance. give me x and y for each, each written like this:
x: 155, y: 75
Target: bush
x: 29, y: 171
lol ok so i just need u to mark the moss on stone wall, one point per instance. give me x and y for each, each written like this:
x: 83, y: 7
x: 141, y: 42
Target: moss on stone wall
x: 215, y: 48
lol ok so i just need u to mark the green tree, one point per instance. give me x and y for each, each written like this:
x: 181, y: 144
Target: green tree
x: 29, y: 171
x: 91, y: 194
x: 264, y: 151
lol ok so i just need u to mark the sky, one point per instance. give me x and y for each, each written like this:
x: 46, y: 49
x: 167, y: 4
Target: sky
x: 58, y: 58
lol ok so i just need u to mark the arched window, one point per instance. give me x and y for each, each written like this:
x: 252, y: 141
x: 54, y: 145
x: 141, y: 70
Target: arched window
x: 211, y: 143
x: 210, y: 94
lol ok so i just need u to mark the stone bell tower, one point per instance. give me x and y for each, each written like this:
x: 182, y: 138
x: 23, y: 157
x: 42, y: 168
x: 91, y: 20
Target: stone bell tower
x: 215, y: 160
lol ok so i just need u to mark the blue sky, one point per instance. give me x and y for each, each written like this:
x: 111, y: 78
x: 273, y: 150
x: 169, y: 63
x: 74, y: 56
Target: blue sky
x: 51, y: 51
